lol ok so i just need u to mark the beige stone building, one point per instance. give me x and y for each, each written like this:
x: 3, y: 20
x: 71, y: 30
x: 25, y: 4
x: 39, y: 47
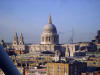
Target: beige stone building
x: 49, y: 38
x: 49, y: 41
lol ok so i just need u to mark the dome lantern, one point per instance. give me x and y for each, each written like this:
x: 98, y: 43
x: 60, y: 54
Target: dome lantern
x: 49, y: 20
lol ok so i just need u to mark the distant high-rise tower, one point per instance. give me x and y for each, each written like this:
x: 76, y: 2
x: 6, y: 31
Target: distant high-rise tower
x: 21, y: 41
x: 15, y: 41
x: 49, y: 35
x: 97, y: 38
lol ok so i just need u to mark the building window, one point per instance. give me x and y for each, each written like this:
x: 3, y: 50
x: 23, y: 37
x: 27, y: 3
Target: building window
x: 49, y: 39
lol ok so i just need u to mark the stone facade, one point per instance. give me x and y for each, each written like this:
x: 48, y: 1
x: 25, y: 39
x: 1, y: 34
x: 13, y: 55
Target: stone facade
x: 69, y: 49
x: 15, y: 40
x: 49, y: 35
x: 18, y: 45
x: 49, y: 41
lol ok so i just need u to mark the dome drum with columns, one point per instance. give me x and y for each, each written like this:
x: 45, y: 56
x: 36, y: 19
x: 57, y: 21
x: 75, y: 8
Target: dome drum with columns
x: 49, y: 35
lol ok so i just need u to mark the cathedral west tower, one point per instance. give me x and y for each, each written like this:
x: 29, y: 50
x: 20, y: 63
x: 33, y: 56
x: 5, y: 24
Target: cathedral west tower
x: 15, y: 41
x: 49, y: 34
x: 21, y: 41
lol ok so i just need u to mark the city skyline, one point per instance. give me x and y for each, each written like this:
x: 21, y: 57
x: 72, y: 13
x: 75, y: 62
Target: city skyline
x: 30, y: 17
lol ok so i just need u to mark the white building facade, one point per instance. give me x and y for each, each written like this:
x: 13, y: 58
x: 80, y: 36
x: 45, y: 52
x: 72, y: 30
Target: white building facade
x: 49, y: 41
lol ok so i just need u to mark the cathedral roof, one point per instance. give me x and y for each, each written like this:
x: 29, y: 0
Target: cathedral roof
x: 50, y: 28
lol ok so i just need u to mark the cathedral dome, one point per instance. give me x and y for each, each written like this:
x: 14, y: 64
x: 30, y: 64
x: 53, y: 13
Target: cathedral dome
x: 50, y: 28
x: 49, y: 35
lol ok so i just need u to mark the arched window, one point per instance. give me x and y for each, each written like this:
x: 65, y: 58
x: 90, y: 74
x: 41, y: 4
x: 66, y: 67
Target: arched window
x: 46, y: 38
x: 49, y: 39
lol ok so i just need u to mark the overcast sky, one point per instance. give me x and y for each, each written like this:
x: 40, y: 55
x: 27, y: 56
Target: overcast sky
x: 30, y: 17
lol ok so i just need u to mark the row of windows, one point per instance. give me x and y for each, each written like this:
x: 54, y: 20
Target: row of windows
x: 48, y: 39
